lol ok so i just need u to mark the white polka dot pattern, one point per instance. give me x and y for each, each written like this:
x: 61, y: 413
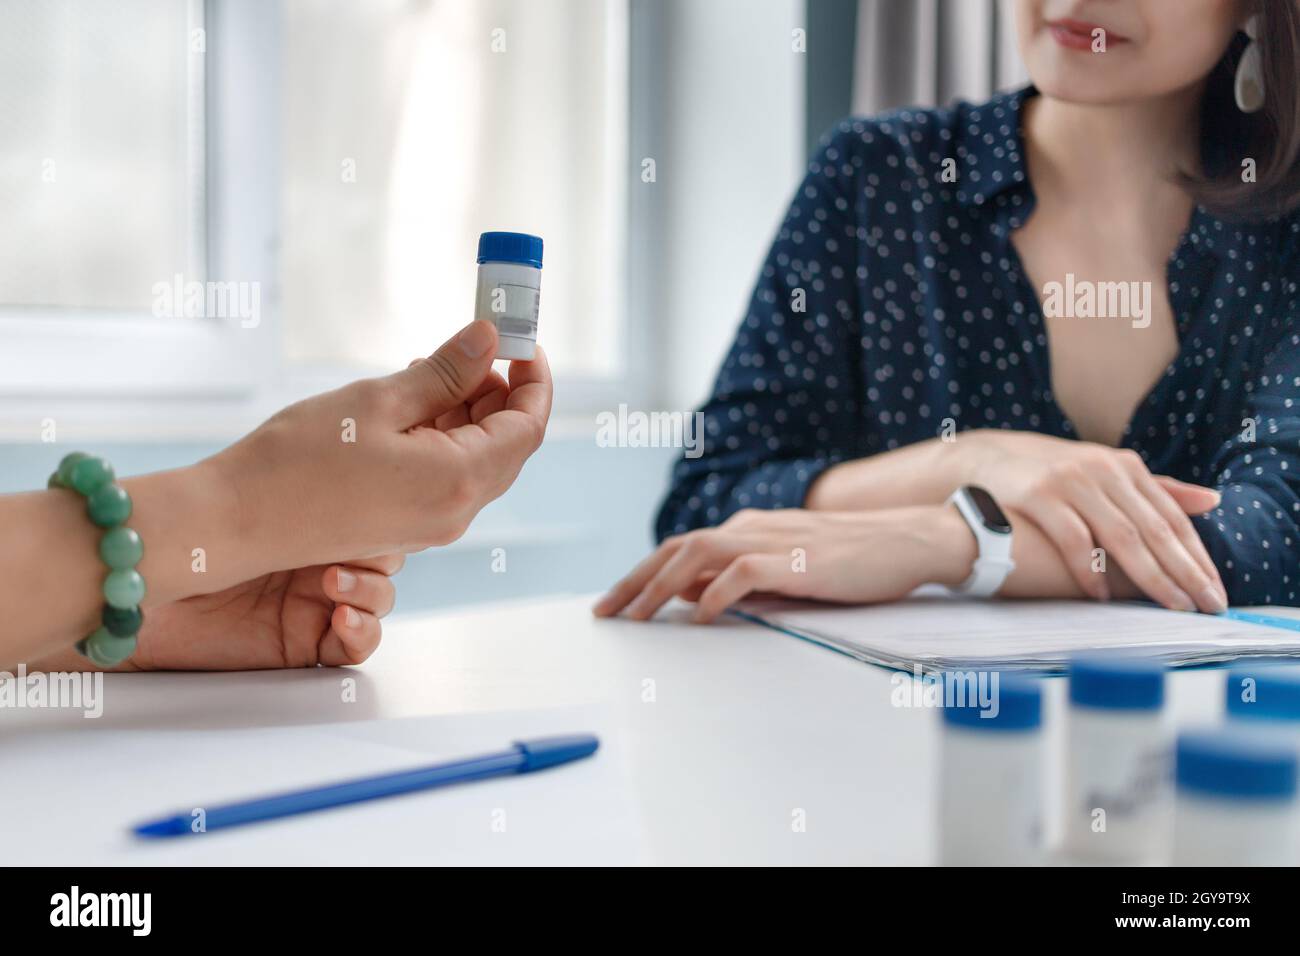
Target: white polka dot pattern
x: 893, y: 305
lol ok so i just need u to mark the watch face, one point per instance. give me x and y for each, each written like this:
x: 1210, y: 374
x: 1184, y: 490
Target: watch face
x: 990, y: 514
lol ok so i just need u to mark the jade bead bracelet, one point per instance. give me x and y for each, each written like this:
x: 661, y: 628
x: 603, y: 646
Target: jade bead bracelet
x: 109, y: 507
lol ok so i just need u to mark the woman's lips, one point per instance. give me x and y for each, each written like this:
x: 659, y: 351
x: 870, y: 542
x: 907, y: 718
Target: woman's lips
x: 1077, y: 35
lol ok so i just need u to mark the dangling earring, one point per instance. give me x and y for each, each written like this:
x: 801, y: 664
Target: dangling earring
x: 1248, y: 86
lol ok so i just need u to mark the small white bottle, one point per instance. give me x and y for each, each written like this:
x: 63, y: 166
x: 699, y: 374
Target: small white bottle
x: 1267, y: 697
x: 991, y: 770
x: 1235, y: 802
x: 510, y: 289
x: 1119, y: 761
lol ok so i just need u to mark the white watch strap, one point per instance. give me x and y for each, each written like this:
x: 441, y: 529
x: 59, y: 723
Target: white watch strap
x: 986, y: 577
x: 994, y: 562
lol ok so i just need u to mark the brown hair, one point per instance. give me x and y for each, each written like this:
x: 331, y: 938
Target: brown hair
x: 1270, y: 136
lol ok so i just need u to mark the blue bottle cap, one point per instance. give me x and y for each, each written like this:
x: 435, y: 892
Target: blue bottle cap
x: 510, y: 247
x: 1268, y: 693
x: 1117, y: 682
x: 1236, y: 764
x: 1010, y: 701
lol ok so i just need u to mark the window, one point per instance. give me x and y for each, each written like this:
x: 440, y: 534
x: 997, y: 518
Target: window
x: 103, y: 177
x: 338, y: 157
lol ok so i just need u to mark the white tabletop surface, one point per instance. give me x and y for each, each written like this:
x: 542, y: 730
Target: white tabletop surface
x: 728, y: 734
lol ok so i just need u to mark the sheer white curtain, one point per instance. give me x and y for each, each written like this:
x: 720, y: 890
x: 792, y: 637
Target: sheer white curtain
x: 413, y: 125
x: 929, y: 52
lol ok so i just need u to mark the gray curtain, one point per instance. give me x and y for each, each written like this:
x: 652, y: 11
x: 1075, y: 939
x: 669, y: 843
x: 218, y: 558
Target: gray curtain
x: 929, y: 52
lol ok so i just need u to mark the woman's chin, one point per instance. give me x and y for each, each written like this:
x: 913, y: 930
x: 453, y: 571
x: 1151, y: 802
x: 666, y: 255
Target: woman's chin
x: 1084, y: 84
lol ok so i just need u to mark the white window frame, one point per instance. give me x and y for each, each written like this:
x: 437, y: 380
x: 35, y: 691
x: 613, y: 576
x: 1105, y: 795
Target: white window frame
x: 104, y: 354
x: 213, y: 379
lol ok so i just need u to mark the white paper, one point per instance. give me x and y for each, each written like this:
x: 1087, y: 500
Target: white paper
x: 74, y: 795
x: 937, y: 632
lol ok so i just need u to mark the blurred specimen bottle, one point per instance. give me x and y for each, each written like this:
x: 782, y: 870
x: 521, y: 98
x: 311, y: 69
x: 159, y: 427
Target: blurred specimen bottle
x: 509, y: 289
x: 991, y: 770
x: 1265, y: 697
x: 1235, y: 801
x: 1119, y: 760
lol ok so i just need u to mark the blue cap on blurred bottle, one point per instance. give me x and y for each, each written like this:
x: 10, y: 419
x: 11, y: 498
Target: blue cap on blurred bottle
x: 1117, y: 682
x: 1268, y: 693
x: 510, y: 247
x: 1236, y: 765
x: 1015, y: 702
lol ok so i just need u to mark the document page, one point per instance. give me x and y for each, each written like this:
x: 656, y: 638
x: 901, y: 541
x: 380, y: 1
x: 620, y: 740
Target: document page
x: 937, y: 632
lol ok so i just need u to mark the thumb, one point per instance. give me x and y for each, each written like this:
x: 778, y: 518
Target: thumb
x: 430, y: 386
x: 1193, y: 499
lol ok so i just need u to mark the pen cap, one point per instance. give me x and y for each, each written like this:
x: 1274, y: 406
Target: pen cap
x: 990, y: 700
x: 1116, y: 682
x: 1268, y: 693
x: 1236, y: 765
x: 549, y: 751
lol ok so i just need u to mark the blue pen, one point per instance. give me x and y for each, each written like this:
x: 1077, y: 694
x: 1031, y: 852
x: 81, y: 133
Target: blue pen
x: 523, y: 757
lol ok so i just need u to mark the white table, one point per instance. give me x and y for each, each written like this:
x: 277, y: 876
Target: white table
x: 728, y: 732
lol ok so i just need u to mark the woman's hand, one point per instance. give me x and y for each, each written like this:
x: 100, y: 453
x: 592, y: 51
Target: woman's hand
x: 389, y: 465
x: 1080, y: 495
x: 1084, y: 496
x: 300, y: 618
x: 849, y: 557
x: 318, y: 615
x: 382, y: 466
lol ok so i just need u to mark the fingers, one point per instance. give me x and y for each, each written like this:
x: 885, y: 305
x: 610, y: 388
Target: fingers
x: 1074, y: 542
x: 479, y: 459
x: 362, y: 593
x: 1122, y: 537
x: 463, y: 414
x: 1136, y: 519
x: 353, y: 636
x: 857, y: 558
x: 689, y: 565
x: 369, y: 591
x: 531, y: 386
x: 745, y: 575
x: 388, y: 564
x: 1192, y: 499
x: 1167, y: 549
x: 455, y: 418
x: 433, y: 386
x: 698, y: 553
x: 622, y: 593
x: 1167, y: 532
x: 1176, y: 517
x: 515, y: 431
x: 489, y: 404
x: 692, y: 566
x: 693, y: 590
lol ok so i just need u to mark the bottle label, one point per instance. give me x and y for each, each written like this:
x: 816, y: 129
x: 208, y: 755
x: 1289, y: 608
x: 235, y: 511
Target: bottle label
x: 514, y: 309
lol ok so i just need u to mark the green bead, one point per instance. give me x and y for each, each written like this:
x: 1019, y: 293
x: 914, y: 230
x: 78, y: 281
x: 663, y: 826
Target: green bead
x: 55, y: 482
x: 105, y: 650
x: 66, y: 465
x: 121, y: 548
x: 124, y: 589
x: 109, y: 506
x: 122, y: 622
x: 90, y: 474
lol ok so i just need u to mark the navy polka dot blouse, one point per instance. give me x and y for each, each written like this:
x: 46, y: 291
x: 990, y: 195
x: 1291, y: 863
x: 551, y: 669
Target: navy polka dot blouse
x: 893, y: 306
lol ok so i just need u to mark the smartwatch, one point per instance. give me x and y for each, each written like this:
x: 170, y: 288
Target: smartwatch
x: 992, y: 533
